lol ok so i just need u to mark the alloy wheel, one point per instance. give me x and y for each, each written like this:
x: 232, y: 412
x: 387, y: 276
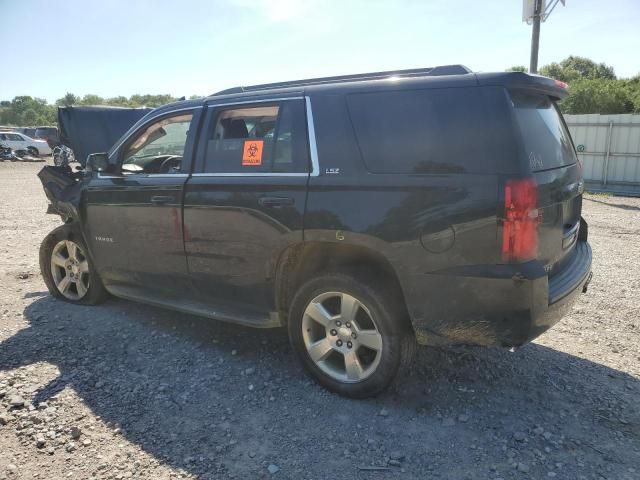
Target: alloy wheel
x: 70, y: 269
x: 341, y: 337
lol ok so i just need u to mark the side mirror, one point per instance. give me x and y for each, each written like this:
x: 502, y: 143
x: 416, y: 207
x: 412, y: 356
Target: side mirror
x: 97, y: 162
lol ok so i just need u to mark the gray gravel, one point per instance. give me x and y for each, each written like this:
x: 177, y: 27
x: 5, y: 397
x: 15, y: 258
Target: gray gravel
x: 125, y: 390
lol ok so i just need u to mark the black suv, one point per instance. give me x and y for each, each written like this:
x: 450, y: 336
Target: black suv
x: 363, y: 212
x: 49, y: 135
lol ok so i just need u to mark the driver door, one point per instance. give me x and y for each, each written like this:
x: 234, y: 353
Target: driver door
x: 134, y: 213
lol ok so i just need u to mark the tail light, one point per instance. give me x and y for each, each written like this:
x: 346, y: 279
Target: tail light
x: 561, y: 84
x: 521, y: 220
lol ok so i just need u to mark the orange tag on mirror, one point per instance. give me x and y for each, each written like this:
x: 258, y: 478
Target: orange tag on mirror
x: 252, y: 152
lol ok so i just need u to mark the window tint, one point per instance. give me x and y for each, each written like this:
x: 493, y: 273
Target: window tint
x: 46, y: 131
x: 159, y: 147
x: 14, y: 137
x: 264, y: 138
x: 546, y: 139
x: 422, y: 131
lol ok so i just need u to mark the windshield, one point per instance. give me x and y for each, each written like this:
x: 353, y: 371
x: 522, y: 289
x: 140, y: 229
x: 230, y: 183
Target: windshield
x: 545, y: 136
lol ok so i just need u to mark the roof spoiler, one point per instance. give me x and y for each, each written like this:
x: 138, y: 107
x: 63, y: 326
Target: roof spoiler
x: 526, y: 81
x: 415, y: 72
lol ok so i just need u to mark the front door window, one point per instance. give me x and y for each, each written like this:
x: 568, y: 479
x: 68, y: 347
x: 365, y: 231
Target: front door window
x: 159, y: 147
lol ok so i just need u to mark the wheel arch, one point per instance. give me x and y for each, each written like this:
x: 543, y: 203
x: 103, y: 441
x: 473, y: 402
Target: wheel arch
x: 306, y: 260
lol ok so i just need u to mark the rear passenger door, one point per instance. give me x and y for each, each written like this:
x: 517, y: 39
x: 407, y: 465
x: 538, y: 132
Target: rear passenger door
x: 245, y: 202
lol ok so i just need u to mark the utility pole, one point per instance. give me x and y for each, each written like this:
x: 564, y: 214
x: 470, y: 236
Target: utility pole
x: 535, y: 37
x: 535, y: 12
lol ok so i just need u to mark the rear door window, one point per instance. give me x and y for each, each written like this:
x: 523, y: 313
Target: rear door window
x: 546, y: 140
x: 270, y: 137
x: 430, y: 131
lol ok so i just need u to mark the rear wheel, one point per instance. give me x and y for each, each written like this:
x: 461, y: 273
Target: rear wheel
x: 351, y: 335
x: 34, y: 151
x: 67, y: 270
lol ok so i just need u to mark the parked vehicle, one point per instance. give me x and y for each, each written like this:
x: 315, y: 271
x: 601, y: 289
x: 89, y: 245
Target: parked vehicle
x: 28, y: 131
x: 49, y: 135
x: 20, y: 142
x: 364, y: 212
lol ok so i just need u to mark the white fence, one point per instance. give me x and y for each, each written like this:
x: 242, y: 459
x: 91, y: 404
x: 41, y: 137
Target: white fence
x: 609, y: 149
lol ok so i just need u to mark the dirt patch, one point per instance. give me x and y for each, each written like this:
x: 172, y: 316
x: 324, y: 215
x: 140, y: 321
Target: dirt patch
x: 124, y: 390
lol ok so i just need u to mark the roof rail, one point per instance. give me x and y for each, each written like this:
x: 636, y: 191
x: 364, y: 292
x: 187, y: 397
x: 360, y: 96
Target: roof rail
x: 414, y: 72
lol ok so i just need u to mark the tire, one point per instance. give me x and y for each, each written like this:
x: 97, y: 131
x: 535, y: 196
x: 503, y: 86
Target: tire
x: 317, y: 332
x: 83, y: 285
x: 33, y: 151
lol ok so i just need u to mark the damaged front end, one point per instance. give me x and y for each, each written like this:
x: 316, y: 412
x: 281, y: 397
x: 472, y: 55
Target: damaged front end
x: 63, y: 189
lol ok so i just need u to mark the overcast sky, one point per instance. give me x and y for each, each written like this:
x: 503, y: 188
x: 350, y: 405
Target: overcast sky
x: 183, y: 47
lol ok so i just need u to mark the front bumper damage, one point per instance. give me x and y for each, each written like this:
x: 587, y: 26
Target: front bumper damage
x: 63, y: 189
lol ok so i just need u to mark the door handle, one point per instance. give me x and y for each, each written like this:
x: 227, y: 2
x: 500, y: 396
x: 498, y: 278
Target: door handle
x: 161, y: 199
x: 275, y: 201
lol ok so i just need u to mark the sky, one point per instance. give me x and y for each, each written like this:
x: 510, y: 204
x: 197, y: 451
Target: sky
x: 197, y: 47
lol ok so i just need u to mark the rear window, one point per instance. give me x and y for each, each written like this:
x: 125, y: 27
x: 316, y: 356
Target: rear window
x: 431, y: 131
x: 546, y: 140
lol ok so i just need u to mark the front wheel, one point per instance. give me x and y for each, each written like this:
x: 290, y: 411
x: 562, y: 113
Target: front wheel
x: 67, y: 269
x: 352, y: 336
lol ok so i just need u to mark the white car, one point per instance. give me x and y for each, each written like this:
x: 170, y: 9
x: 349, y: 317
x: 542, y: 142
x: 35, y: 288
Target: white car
x: 19, y: 141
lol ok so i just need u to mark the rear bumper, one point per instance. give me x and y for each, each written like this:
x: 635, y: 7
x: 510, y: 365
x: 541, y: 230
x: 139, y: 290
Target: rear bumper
x: 501, y: 305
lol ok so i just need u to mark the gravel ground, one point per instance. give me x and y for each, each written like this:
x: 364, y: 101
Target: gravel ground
x: 125, y: 390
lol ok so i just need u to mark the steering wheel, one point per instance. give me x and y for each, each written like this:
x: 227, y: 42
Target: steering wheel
x: 172, y: 161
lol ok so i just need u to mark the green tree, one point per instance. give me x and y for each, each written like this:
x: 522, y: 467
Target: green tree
x: 91, y: 99
x: 29, y: 117
x: 517, y: 68
x: 68, y: 100
x: 632, y: 86
x: 25, y: 110
x: 598, y: 96
x: 119, y: 101
x: 28, y: 111
x: 574, y: 68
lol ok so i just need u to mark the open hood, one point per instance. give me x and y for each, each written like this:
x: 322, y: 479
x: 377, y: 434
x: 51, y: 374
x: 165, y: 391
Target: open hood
x: 95, y: 129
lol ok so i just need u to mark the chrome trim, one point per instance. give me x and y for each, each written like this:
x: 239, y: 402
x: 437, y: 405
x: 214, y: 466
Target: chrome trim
x: 212, y: 103
x: 313, y: 147
x: 315, y: 168
x: 311, y: 132
x: 153, y: 175
x: 148, y: 120
x: 249, y: 174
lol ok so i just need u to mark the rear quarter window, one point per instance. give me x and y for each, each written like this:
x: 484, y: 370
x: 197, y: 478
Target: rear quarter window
x: 430, y: 131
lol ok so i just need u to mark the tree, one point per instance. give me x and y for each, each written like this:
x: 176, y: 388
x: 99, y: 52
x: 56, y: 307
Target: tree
x: 517, y: 68
x: 29, y: 117
x: 91, y: 99
x: 27, y: 111
x: 598, y: 96
x: 117, y: 101
x: 573, y: 68
x: 68, y: 100
x: 633, y: 89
